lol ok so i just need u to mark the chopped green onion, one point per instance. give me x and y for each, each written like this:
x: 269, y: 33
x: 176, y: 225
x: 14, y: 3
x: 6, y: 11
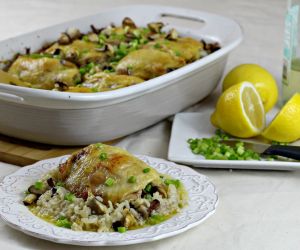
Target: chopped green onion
x: 148, y: 196
x: 157, y: 46
x: 85, y: 38
x: 176, y: 183
x: 39, y: 185
x: 177, y: 53
x: 37, y: 56
x: 82, y: 71
x: 87, y: 68
x: 135, y: 43
x: 132, y: 179
x: 102, y: 38
x: 59, y: 184
x: 156, y: 218
x: 212, y: 148
x: 77, y: 81
x: 146, y: 170
x: 222, y: 135
x: 136, y: 33
x: 63, y: 222
x: 145, y: 30
x: 122, y: 229
x: 109, y: 182
x: 94, y: 89
x: 129, y: 67
x: 143, y: 41
x: 148, y: 188
x: 69, y: 197
x: 103, y: 156
x: 279, y: 143
x: 99, y: 145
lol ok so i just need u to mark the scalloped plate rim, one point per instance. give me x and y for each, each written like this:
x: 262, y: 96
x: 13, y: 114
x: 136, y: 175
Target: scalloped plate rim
x: 110, y: 242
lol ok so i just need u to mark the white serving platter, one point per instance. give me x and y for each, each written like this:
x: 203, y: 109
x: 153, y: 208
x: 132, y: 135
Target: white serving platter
x: 197, y: 125
x: 202, y: 202
x: 64, y: 118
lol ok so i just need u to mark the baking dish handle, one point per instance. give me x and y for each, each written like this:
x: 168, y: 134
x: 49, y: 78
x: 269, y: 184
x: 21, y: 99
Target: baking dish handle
x: 205, y: 23
x: 11, y: 97
x: 183, y: 17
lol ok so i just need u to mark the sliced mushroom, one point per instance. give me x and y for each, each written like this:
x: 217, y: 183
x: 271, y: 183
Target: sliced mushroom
x: 133, y: 196
x: 29, y: 199
x: 73, y: 33
x: 61, y: 86
x: 153, y: 37
x: 129, y: 35
x: 127, y: 22
x: 117, y: 224
x: 97, y: 207
x: 33, y: 190
x: 155, y: 27
x: 212, y: 47
x: 172, y: 35
x: 110, y: 49
x: 50, y: 182
x: 57, y: 51
x: 53, y: 190
x: 94, y: 29
x: 129, y: 220
x: 162, y: 190
x: 27, y: 50
x: 154, y: 205
x: 103, y: 48
x: 143, y: 210
x: 64, y: 39
x: 92, y: 37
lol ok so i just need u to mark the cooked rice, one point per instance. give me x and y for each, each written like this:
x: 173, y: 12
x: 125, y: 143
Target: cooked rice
x: 51, y: 207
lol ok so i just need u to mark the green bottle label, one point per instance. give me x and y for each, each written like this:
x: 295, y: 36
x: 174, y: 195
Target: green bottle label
x: 290, y: 41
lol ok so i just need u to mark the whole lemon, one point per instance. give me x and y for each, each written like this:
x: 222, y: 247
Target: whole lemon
x: 239, y: 111
x: 263, y: 81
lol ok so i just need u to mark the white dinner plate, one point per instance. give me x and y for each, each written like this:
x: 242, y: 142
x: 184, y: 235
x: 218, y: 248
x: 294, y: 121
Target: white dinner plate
x: 197, y: 125
x: 202, y: 203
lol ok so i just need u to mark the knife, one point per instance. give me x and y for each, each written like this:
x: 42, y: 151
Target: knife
x: 292, y: 152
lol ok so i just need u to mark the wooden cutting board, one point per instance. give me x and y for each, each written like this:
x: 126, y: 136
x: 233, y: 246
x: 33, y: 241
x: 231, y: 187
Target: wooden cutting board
x: 22, y: 153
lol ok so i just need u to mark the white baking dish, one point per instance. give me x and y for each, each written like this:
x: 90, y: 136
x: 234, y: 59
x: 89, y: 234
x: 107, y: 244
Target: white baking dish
x: 76, y: 118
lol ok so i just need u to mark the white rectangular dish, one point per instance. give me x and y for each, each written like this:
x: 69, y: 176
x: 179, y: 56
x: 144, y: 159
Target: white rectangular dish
x: 78, y: 118
x: 197, y: 125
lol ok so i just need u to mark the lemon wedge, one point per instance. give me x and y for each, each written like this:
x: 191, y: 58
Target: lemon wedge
x: 263, y: 81
x: 239, y: 111
x: 285, y: 127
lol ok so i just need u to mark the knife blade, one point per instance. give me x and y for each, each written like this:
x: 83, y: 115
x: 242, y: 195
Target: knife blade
x: 292, y: 152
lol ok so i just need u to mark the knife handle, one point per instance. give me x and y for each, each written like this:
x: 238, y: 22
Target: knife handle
x: 292, y: 152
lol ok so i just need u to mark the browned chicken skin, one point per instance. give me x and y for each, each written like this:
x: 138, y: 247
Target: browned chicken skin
x: 44, y: 72
x: 185, y: 47
x: 89, y: 169
x: 80, y: 52
x: 149, y: 63
x: 108, y: 58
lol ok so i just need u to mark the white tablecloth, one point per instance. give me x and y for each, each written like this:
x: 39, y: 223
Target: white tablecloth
x: 257, y: 209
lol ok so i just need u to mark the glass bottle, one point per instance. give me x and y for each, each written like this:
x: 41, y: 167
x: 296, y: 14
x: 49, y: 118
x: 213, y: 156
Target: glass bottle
x: 291, y: 66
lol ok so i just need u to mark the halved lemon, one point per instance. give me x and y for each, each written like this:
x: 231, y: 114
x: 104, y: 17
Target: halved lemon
x: 263, y: 81
x: 240, y: 111
x: 285, y: 127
